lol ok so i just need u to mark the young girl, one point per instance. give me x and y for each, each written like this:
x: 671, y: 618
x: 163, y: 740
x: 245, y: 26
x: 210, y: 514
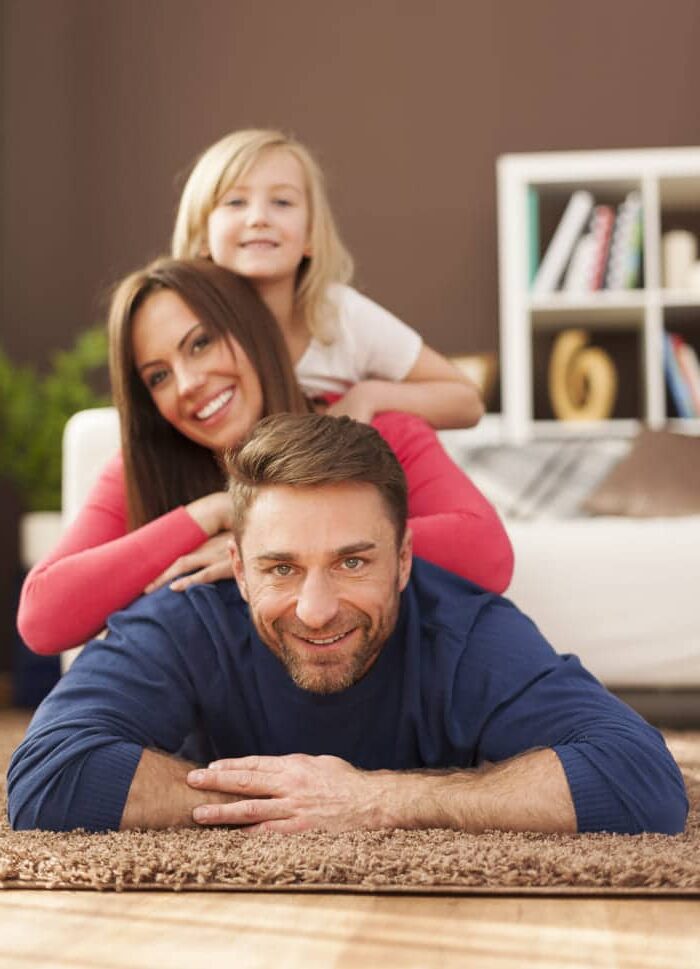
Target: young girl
x: 255, y: 203
x: 196, y: 360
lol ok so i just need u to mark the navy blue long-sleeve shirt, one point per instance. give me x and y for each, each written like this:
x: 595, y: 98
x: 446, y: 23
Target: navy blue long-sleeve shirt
x: 464, y: 678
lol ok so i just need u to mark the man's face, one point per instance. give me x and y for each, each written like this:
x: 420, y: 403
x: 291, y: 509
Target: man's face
x: 322, y: 574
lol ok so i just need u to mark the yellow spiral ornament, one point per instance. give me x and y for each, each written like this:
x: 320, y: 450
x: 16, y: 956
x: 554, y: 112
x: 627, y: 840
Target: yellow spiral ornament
x: 582, y: 379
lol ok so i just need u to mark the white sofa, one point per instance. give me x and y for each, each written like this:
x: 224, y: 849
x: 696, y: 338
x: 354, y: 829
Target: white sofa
x: 620, y: 593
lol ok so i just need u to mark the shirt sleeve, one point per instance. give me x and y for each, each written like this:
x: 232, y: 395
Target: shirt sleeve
x: 135, y: 689
x: 386, y: 347
x: 453, y: 524
x: 98, y: 566
x: 621, y: 775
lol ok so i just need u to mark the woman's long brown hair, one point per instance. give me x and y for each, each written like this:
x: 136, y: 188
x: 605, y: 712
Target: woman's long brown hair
x: 162, y: 468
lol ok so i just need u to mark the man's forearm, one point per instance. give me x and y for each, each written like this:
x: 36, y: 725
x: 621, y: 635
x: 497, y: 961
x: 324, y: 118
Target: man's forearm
x: 298, y: 792
x: 159, y: 796
x: 526, y: 793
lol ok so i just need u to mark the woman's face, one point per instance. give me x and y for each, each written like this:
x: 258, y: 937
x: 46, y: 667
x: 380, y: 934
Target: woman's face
x: 202, y: 383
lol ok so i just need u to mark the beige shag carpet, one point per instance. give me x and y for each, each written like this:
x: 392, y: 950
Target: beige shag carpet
x: 387, y: 861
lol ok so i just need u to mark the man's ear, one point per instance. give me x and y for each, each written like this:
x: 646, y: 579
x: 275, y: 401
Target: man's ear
x: 405, y: 558
x: 238, y: 570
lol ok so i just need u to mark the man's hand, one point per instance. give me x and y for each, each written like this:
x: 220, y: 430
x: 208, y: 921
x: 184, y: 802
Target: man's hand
x: 208, y: 563
x: 298, y: 793
x: 293, y: 793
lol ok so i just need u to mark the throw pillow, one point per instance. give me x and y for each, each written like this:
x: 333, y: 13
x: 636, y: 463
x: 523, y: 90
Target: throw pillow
x: 659, y: 477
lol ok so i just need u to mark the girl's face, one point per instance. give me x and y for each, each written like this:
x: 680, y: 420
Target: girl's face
x: 260, y: 226
x: 201, y: 383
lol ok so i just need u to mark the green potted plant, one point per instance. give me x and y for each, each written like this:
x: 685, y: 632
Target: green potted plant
x: 34, y: 409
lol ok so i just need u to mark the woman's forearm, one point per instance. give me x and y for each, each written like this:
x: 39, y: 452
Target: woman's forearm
x: 67, y: 598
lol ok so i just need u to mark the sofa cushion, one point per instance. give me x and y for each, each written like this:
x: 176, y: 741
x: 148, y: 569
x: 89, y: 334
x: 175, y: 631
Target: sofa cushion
x: 659, y: 477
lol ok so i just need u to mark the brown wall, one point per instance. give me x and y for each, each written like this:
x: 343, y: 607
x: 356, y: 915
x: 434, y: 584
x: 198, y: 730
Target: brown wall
x: 407, y: 102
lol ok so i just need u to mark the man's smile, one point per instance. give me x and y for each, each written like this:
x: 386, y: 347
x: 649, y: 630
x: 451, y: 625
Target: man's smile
x: 337, y: 639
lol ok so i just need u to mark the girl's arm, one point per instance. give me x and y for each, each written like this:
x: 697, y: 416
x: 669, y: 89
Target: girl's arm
x: 433, y: 389
x: 453, y: 525
x: 388, y: 367
x: 98, y: 567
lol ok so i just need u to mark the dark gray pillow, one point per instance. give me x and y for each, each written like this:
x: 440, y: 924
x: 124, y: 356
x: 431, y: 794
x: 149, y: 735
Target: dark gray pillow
x: 659, y: 477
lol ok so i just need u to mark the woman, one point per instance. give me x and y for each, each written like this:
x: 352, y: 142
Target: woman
x: 196, y: 359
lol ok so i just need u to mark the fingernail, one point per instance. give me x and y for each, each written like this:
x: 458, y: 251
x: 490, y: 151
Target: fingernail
x: 176, y: 586
x: 196, y: 776
x: 202, y: 813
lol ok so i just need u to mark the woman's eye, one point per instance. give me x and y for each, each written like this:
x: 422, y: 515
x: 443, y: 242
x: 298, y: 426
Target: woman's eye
x: 155, y: 377
x: 201, y: 342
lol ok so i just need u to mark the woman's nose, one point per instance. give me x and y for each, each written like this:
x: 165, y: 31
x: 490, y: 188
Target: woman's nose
x: 188, y: 379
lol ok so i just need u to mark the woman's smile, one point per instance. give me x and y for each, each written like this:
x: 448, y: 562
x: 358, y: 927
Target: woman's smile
x: 214, y: 407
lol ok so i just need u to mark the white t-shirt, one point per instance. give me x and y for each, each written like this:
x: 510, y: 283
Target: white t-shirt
x: 370, y: 343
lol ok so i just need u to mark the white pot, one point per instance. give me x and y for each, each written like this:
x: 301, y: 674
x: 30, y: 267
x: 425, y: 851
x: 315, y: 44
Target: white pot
x: 38, y: 533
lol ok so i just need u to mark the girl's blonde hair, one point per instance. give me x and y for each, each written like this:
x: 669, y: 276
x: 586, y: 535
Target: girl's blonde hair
x: 224, y: 164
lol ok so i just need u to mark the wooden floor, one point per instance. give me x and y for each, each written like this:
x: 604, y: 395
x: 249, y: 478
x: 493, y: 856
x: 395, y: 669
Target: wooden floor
x: 88, y: 930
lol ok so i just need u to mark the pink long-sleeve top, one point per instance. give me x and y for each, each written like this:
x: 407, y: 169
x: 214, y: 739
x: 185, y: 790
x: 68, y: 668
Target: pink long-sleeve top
x: 98, y: 566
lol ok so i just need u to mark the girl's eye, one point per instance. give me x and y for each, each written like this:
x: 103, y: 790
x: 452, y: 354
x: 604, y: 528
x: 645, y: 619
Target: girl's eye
x: 283, y: 203
x: 235, y: 202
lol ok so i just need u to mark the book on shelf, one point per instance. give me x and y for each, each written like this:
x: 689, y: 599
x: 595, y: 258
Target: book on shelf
x: 533, y: 229
x: 625, y: 260
x: 586, y: 270
x: 689, y: 366
x: 561, y: 247
x: 678, y: 389
x: 602, y: 223
x: 577, y: 278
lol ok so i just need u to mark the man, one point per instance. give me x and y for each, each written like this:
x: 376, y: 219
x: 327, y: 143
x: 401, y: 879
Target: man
x: 336, y: 685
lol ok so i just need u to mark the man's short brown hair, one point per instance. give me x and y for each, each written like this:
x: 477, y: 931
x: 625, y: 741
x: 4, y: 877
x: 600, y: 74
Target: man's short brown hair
x: 315, y: 449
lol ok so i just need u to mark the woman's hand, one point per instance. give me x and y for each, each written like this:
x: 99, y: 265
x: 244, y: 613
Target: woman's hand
x: 209, y: 563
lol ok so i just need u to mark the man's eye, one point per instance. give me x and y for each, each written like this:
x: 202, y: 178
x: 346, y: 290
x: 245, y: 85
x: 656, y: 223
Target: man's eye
x: 282, y: 570
x: 353, y: 564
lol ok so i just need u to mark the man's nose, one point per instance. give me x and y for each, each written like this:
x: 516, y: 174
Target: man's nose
x: 317, y: 602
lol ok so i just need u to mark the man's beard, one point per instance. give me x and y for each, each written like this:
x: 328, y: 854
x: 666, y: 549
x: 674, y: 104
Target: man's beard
x: 328, y: 675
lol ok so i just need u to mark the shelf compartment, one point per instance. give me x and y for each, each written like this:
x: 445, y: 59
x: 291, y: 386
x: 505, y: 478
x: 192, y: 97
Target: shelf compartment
x: 624, y: 346
x: 680, y: 193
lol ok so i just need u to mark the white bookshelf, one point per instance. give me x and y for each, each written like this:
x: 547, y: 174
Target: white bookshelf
x: 669, y: 183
